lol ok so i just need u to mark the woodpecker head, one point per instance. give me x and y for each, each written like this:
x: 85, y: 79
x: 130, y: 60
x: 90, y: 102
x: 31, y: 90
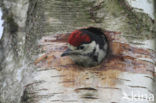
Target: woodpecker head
x: 87, y: 47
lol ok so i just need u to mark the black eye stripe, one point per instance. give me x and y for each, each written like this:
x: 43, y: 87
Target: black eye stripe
x: 80, y: 47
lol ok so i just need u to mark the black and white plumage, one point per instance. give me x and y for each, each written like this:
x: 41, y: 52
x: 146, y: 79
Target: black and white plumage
x: 87, y: 47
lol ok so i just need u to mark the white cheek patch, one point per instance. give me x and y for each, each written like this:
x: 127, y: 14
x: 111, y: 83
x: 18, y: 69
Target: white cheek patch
x: 100, y: 53
x: 89, y: 47
x: 105, y: 46
x: 71, y: 47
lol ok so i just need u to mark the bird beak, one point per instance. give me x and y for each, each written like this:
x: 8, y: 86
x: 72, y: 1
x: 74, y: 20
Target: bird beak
x: 66, y: 53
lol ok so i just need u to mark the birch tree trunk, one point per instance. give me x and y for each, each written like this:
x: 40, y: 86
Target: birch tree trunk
x: 31, y: 73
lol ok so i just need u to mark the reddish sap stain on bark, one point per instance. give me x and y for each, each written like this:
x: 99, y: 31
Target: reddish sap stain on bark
x: 122, y: 58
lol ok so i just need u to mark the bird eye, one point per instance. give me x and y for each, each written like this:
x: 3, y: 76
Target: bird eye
x: 81, y: 47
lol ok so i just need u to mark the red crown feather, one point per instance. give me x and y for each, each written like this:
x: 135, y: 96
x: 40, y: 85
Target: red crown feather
x: 77, y: 37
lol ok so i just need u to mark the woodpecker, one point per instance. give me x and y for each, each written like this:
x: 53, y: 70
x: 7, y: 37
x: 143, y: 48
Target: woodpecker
x: 87, y: 47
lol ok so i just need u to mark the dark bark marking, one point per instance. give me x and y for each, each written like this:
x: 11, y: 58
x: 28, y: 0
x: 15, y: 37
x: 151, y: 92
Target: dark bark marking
x: 123, y: 79
x: 150, y: 78
x: 138, y: 87
x: 109, y: 88
x: 86, y: 88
